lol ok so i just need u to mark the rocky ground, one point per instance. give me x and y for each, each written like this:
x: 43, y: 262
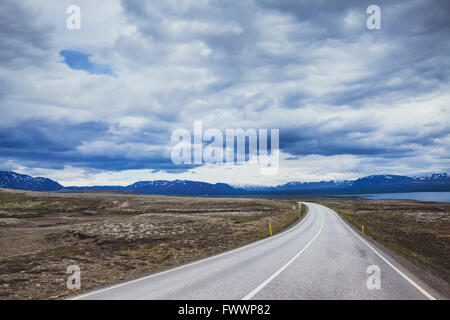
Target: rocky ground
x: 114, y: 237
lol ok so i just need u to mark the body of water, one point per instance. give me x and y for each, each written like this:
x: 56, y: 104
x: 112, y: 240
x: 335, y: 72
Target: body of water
x: 421, y: 196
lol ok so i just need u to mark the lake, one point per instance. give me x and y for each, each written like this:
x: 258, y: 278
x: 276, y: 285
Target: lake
x: 421, y: 196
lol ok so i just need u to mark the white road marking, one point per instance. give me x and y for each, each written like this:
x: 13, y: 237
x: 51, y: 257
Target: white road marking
x: 423, y: 291
x: 189, y: 264
x: 275, y: 274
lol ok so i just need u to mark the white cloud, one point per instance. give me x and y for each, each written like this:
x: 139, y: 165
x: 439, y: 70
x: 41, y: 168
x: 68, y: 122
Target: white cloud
x: 347, y: 102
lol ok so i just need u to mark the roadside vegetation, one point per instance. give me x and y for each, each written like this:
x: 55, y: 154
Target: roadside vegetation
x: 114, y: 237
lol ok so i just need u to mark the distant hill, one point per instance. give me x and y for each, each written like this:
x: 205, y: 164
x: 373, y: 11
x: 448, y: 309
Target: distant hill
x: 12, y: 180
x: 370, y: 184
x: 164, y: 187
x: 393, y: 183
x: 182, y: 187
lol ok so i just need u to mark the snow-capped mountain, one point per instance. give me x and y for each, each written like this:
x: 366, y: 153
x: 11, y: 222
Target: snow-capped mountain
x: 314, y: 185
x: 181, y: 187
x: 12, y: 180
x: 164, y: 187
x: 435, y: 178
x: 369, y: 184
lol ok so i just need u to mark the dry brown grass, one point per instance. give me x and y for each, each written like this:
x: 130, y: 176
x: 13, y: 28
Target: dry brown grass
x: 113, y: 237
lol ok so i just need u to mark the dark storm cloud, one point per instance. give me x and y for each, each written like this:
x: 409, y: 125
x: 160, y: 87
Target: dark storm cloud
x: 22, y: 39
x: 43, y: 135
x: 417, y: 29
x: 45, y: 144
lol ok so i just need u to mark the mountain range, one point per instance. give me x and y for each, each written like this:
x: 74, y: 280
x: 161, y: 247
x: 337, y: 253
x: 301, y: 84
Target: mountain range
x: 369, y: 184
x: 12, y: 180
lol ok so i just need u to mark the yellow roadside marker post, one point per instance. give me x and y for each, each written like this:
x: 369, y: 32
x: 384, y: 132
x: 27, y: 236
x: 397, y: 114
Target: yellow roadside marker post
x: 270, y: 229
x: 362, y: 230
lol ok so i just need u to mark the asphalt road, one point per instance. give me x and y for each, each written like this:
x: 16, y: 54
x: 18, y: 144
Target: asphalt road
x: 319, y: 258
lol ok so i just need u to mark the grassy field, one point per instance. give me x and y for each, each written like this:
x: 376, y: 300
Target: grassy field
x: 113, y: 237
x: 417, y: 231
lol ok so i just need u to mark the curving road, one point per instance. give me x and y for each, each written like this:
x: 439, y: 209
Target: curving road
x: 319, y: 258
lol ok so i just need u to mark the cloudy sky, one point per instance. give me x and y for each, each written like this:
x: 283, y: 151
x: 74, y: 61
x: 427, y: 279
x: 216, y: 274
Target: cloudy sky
x: 98, y: 105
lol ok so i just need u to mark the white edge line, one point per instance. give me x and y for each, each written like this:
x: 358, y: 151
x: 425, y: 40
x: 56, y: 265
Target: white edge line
x: 423, y: 291
x: 276, y: 273
x: 81, y: 296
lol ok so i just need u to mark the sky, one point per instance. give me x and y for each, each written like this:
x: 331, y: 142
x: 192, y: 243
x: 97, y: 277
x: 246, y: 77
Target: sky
x: 98, y: 105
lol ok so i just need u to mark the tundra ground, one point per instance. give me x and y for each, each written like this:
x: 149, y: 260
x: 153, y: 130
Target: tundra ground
x: 114, y: 237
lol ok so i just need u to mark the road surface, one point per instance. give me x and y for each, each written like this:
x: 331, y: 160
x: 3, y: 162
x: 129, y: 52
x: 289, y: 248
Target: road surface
x: 319, y: 258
